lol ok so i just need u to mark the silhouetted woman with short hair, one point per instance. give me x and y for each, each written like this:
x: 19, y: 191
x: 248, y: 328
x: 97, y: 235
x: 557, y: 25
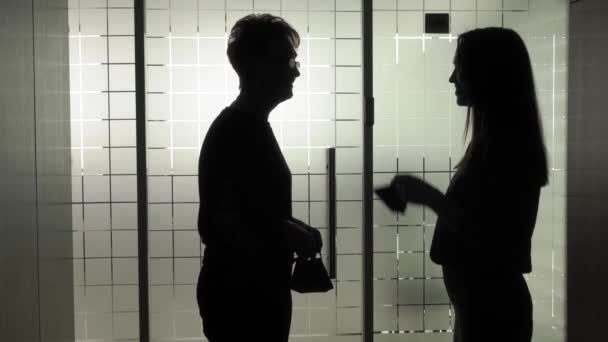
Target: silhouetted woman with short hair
x: 486, y: 218
x: 245, y: 217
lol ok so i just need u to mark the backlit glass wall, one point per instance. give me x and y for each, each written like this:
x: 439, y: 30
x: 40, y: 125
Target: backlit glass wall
x: 103, y: 170
x: 419, y: 130
x: 189, y: 81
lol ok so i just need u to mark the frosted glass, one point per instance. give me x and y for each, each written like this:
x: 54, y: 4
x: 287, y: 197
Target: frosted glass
x: 318, y: 215
x: 434, y: 291
x: 94, y: 77
x: 125, y: 271
x: 385, y: 265
x: 184, y: 51
x: 159, y: 161
x: 348, y: 241
x: 157, y: 23
x: 299, y: 188
x: 157, y: 50
x: 184, y: 4
x: 411, y: 265
x: 122, y: 133
x: 349, y: 321
x: 122, y: 50
x: 385, y: 239
x: 158, y: 134
x: 97, y: 244
x: 185, y: 162
x: 297, y: 159
x: 93, y: 50
x: 95, y: 133
x: 382, y: 215
x: 463, y: 21
x: 211, y: 79
x: 96, y: 216
x: 318, y: 187
x: 124, y: 243
x: 410, y: 132
x: 159, y: 189
x: 348, y: 79
x: 126, y: 325
x: 98, y: 271
x: 411, y: 291
x: 437, y: 5
x: 185, y: 189
x: 96, y: 161
x: 411, y: 24
x: 93, y: 22
x: 99, y: 326
x: 123, y: 105
x: 488, y: 19
x: 321, y: 24
x: 121, y: 21
x: 410, y: 4
x: 350, y: 267
x: 161, y: 271
x: 159, y: 216
x: 185, y: 216
x: 186, y: 270
x: 210, y: 24
x: 348, y: 25
x: 187, y: 243
x: 411, y: 238
x: 124, y: 188
x: 122, y: 77
x: 489, y: 5
x: 349, y: 214
x: 124, y: 216
x: 183, y: 23
x: 123, y: 160
x: 385, y: 318
x: 96, y: 188
x: 464, y: 5
x: 185, y: 134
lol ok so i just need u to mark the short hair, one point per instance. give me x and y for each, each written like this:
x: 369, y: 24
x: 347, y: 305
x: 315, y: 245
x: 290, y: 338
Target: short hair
x: 252, y: 37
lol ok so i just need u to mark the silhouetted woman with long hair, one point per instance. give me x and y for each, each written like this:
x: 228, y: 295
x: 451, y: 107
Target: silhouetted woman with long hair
x: 245, y: 217
x: 486, y: 218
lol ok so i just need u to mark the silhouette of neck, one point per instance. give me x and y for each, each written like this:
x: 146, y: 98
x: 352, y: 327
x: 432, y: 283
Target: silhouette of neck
x: 255, y: 103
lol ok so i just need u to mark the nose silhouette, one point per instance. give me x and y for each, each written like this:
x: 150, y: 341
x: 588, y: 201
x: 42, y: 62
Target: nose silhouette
x: 453, y: 77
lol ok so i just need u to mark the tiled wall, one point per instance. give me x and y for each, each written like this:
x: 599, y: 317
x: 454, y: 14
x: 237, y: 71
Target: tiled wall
x: 419, y: 129
x: 189, y: 81
x: 103, y: 169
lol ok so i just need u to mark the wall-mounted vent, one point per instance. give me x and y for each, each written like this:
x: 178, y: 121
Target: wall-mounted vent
x: 437, y: 23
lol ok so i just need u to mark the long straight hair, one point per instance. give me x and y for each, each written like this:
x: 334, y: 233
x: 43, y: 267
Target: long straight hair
x: 504, y: 114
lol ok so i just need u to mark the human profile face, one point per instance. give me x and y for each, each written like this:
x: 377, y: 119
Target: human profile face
x: 281, y: 72
x: 463, y: 89
x: 277, y: 72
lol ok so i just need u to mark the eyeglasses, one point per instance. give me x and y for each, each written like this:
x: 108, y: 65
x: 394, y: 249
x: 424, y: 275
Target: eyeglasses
x: 294, y: 64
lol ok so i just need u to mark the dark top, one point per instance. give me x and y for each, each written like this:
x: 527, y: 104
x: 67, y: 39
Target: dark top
x: 500, y: 204
x: 245, y: 192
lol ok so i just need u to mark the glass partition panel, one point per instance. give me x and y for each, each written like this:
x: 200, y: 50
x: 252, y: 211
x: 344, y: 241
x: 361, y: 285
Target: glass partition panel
x: 102, y: 96
x: 419, y: 130
x: 189, y: 81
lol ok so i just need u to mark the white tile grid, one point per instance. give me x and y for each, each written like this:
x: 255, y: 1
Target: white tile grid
x: 516, y: 15
x: 103, y: 171
x: 423, y: 41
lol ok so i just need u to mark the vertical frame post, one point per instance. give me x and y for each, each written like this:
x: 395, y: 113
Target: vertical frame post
x: 368, y: 136
x: 142, y: 172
